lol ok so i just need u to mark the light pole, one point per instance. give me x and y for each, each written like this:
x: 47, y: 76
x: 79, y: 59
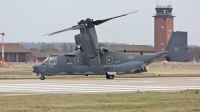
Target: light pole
x: 2, y: 64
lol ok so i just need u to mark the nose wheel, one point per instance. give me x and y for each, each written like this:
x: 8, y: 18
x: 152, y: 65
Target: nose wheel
x: 110, y: 76
x: 42, y: 77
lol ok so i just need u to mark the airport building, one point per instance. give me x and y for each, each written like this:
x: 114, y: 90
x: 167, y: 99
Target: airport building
x: 163, y: 26
x: 14, y: 52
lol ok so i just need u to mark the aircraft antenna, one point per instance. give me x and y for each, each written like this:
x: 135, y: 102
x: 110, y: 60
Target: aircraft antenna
x: 157, y: 3
x: 170, y: 3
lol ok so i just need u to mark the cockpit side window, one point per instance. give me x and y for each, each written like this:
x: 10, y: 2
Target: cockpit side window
x: 53, y: 60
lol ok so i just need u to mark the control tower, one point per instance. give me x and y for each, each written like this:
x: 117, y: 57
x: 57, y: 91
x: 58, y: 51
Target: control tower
x: 163, y: 26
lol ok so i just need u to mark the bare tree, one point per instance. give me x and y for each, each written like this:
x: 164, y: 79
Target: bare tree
x: 101, y: 45
x: 33, y: 49
x: 52, y: 47
x: 72, y: 47
x: 48, y: 47
x: 64, y: 47
x: 194, y: 51
x: 43, y: 47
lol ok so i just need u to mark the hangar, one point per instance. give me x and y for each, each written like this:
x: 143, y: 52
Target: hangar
x: 14, y: 52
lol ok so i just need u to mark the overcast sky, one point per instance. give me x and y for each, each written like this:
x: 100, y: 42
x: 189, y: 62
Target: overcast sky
x: 28, y: 20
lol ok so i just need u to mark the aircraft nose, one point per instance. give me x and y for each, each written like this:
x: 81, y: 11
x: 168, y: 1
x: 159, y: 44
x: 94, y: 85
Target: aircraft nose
x: 35, y: 69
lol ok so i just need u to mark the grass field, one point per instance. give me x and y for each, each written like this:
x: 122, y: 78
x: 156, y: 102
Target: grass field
x: 186, y: 101
x: 169, y: 69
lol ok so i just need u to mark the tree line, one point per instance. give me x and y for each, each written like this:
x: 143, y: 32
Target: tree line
x: 53, y: 46
x: 57, y: 46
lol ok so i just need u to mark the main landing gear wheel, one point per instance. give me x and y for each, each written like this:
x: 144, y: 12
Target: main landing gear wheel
x: 110, y: 76
x: 42, y: 78
x: 145, y: 69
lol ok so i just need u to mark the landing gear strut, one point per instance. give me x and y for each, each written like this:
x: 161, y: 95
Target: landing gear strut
x: 141, y: 70
x: 42, y: 77
x: 144, y: 69
x: 110, y: 76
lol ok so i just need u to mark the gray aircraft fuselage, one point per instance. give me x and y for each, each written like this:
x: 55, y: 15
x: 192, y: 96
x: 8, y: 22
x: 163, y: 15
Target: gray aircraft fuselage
x: 112, y: 62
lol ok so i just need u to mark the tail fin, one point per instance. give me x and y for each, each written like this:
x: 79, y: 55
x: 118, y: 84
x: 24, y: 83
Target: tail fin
x: 177, y: 47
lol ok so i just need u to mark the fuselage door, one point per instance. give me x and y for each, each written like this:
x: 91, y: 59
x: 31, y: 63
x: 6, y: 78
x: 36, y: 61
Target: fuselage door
x: 70, y: 64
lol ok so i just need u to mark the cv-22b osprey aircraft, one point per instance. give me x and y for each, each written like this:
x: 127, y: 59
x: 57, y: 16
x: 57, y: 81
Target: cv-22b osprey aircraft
x: 91, y: 59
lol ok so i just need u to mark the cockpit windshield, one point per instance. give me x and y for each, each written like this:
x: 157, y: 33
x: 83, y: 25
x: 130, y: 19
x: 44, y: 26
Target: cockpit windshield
x: 51, y: 60
x: 46, y: 60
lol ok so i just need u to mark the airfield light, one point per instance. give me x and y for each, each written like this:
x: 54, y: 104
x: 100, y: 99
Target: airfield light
x: 2, y: 64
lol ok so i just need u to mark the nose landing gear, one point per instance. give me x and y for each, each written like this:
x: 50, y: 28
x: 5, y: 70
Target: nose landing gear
x: 42, y: 77
x: 110, y: 76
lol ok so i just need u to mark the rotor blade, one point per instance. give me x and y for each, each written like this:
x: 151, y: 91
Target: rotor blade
x: 2, y: 34
x: 98, y: 22
x: 72, y: 28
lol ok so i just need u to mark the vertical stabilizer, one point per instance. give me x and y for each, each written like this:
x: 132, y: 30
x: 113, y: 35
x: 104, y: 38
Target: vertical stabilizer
x: 177, y: 47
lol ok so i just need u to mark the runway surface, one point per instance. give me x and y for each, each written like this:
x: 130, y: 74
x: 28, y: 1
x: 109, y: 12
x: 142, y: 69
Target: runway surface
x: 35, y: 86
